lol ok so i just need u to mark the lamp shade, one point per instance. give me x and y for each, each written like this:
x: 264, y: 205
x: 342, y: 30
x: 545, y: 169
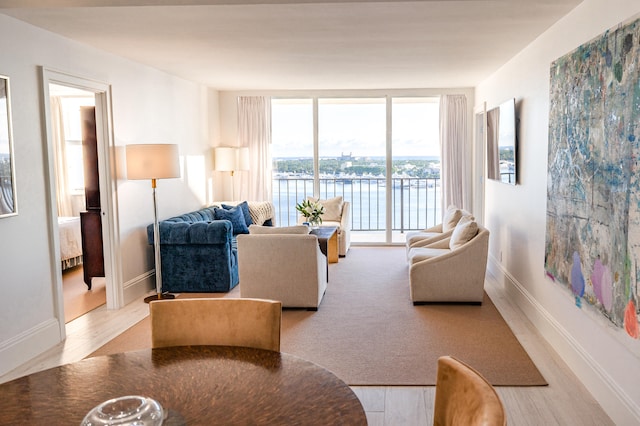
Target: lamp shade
x: 225, y: 159
x: 153, y: 161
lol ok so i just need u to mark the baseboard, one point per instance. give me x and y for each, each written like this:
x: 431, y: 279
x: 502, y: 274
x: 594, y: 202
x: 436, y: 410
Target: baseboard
x: 621, y: 408
x: 139, y: 286
x: 28, y: 345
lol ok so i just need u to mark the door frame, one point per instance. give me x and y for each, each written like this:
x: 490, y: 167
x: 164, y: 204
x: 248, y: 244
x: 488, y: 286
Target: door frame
x: 108, y: 188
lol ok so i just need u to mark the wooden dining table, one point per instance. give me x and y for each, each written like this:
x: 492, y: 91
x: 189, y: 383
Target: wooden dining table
x: 196, y: 385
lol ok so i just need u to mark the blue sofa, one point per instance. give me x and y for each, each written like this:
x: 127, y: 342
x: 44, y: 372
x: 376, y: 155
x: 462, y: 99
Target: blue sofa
x: 198, y: 253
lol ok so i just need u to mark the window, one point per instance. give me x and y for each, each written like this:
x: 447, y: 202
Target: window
x: 363, y: 147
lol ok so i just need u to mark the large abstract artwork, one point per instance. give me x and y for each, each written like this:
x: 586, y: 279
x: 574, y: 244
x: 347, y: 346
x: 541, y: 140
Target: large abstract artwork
x: 593, y: 182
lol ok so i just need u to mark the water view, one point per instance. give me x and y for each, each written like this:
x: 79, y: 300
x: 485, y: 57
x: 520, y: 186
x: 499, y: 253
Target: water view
x: 414, y: 184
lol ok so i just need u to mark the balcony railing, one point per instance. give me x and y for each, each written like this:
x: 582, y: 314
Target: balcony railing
x: 415, y: 201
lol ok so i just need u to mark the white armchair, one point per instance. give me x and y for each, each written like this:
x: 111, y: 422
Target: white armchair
x: 441, y: 231
x: 285, y: 267
x: 338, y: 214
x: 451, y: 269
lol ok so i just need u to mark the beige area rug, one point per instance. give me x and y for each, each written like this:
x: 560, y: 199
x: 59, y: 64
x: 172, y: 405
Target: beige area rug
x: 78, y: 300
x: 368, y: 332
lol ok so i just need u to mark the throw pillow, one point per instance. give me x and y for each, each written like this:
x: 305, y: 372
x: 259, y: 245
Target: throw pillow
x: 451, y: 218
x: 299, y: 229
x: 332, y: 208
x: 244, y: 206
x: 235, y: 216
x: 262, y: 212
x: 465, y: 230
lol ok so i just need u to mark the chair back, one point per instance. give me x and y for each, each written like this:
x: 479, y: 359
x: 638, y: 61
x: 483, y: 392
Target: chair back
x: 464, y: 397
x: 254, y: 323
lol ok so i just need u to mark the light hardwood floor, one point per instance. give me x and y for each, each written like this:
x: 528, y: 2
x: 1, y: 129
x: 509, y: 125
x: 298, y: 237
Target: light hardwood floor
x: 564, y: 402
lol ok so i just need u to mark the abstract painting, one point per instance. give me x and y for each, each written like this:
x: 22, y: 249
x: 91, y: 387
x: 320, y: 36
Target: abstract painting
x: 593, y: 181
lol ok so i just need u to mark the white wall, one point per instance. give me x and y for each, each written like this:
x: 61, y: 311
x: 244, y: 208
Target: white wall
x: 603, y: 357
x: 148, y: 106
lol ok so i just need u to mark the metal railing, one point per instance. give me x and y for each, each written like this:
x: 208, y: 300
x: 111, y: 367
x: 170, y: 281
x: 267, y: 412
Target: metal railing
x: 415, y: 201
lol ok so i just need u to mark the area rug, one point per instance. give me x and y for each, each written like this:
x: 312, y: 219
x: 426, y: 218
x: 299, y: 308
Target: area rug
x: 368, y: 332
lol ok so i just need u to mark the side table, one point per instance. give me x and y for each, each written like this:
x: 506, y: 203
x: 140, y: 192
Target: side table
x: 328, y: 240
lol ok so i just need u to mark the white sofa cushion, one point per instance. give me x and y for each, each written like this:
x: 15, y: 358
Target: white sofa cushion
x: 465, y: 230
x: 298, y: 229
x: 450, y: 218
x: 332, y: 208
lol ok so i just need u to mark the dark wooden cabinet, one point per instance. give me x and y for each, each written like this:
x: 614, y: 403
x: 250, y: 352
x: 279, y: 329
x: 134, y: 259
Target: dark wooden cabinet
x: 91, y: 221
x: 92, y: 255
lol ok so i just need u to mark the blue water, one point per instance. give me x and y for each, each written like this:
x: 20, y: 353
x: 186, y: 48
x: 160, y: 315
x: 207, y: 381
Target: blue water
x: 420, y: 198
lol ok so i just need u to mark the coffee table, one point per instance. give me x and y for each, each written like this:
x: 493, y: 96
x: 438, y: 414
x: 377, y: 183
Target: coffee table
x: 328, y: 240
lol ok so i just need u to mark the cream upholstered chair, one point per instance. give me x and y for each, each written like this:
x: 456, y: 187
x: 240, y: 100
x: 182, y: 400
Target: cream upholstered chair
x: 337, y: 213
x: 452, y: 269
x: 443, y: 230
x: 208, y: 321
x: 283, y: 264
x: 464, y: 397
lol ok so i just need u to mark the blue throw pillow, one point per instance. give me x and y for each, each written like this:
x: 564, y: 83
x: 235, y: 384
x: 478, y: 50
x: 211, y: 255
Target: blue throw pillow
x: 245, y: 211
x: 236, y: 218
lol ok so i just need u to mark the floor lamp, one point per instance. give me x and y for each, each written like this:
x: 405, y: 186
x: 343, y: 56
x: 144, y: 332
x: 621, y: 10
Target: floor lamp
x: 231, y: 159
x: 154, y: 161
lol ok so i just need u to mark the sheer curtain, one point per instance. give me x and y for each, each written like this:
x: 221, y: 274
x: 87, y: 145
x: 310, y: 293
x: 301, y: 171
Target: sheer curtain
x: 453, y: 138
x: 254, y: 131
x: 65, y: 207
x: 493, y: 154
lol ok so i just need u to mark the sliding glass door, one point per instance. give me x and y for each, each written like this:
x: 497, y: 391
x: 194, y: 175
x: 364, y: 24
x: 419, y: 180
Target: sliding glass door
x: 380, y: 154
x: 352, y: 161
x: 415, y: 165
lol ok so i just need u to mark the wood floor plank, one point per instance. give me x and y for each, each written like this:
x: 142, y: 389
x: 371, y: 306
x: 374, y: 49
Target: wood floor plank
x: 405, y: 405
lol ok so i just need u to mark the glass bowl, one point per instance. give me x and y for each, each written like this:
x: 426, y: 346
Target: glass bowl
x: 132, y: 410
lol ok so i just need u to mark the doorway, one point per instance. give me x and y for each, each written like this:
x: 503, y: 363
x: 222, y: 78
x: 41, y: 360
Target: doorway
x: 74, y: 140
x: 98, y: 94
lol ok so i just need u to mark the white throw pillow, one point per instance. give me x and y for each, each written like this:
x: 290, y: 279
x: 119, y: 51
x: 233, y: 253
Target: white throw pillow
x: 298, y: 229
x: 465, y: 230
x: 332, y: 208
x: 451, y: 218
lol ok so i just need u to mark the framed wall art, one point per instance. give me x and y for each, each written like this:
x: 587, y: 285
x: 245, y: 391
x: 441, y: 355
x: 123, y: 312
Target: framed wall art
x: 8, y: 199
x: 593, y: 181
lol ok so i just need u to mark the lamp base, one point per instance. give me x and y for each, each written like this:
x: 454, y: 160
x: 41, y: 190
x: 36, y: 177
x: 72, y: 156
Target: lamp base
x: 159, y: 296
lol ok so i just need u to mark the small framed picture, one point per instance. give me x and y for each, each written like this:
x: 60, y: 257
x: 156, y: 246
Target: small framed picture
x: 8, y: 199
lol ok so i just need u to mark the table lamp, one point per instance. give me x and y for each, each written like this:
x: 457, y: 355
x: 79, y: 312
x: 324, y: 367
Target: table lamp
x: 154, y: 161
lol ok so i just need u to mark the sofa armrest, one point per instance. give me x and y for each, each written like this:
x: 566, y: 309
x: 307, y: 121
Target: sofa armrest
x: 214, y: 232
x: 436, y: 228
x: 440, y: 244
x: 345, y: 217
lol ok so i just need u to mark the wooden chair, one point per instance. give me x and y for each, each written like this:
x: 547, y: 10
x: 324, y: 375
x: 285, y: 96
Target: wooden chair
x: 252, y: 323
x: 464, y: 397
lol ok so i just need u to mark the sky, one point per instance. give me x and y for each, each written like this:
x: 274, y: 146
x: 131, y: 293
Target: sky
x: 355, y: 128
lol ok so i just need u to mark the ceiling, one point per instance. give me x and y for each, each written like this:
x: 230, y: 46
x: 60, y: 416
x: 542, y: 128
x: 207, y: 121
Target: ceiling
x: 304, y: 44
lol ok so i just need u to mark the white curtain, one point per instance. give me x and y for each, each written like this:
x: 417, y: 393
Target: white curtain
x: 453, y: 147
x: 254, y: 131
x: 65, y: 207
x: 493, y: 154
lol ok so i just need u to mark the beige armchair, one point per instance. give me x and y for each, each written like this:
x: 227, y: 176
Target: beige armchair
x: 338, y: 214
x: 452, y: 269
x: 285, y: 267
x: 443, y: 230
